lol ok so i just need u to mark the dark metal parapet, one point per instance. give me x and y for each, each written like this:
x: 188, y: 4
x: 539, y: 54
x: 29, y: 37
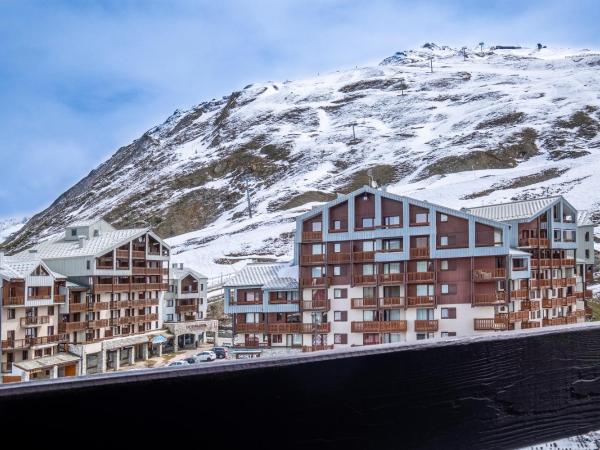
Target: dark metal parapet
x: 503, y: 390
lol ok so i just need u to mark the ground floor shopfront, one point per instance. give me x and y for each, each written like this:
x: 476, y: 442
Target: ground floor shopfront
x: 191, y: 334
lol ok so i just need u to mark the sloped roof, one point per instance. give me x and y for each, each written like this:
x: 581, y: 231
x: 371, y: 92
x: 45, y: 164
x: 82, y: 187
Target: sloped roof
x: 47, y: 361
x: 13, y: 268
x: 62, y: 248
x: 584, y: 218
x: 178, y: 274
x: 523, y: 209
x: 269, y: 276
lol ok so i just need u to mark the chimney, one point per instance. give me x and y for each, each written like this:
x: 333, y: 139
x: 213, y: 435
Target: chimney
x: 81, y: 240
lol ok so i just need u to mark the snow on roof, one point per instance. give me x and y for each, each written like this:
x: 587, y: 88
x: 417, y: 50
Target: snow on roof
x: 178, y: 274
x: 47, y: 361
x: 83, y: 223
x: 62, y: 248
x: 269, y: 276
x: 584, y: 218
x: 20, y: 268
x: 521, y: 253
x: 524, y: 209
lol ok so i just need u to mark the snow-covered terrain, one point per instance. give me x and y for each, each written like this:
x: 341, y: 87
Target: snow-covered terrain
x: 488, y: 127
x: 10, y: 226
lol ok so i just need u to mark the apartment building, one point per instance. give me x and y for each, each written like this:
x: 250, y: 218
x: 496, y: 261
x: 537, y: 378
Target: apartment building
x: 374, y: 267
x: 263, y: 301
x: 113, y: 285
x: 32, y: 347
x: 186, y: 306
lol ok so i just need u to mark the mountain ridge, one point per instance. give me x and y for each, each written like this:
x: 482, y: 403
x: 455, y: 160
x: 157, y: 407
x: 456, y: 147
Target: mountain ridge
x: 482, y: 127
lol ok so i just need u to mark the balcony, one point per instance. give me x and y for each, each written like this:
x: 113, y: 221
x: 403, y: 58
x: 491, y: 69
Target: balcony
x: 364, y: 303
x: 308, y: 328
x: 364, y: 279
x: 34, y: 321
x: 518, y: 294
x: 416, y: 277
x: 512, y: 317
x: 364, y: 257
x: 13, y: 301
x: 137, y: 319
x: 426, y: 326
x: 420, y: 300
x: 497, y: 298
x: 567, y: 262
x: 122, y: 254
x: 315, y: 281
x: 249, y: 327
x: 391, y: 302
x: 530, y: 305
x: 489, y: 325
x: 529, y: 325
x: 419, y: 253
x: 182, y: 309
x: 554, y: 322
x: 337, y: 258
x: 308, y: 236
x: 542, y: 263
x: 536, y: 283
x: 480, y: 275
x: 138, y: 254
x: 315, y: 305
x: 101, y: 323
x: 534, y: 242
x: 70, y: 327
x: 279, y: 328
x: 59, y: 299
x: 313, y: 259
x: 391, y: 278
x: 390, y: 326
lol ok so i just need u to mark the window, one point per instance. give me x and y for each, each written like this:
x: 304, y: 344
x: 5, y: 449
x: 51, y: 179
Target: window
x: 422, y: 266
x: 88, y: 264
x: 317, y: 249
x: 316, y: 226
x: 391, y: 245
x: 448, y: 313
x: 368, y: 269
x: 448, y: 289
x: 367, y: 222
x: 340, y: 293
x: 337, y: 224
x: 340, y: 338
x: 169, y: 317
x: 337, y: 247
x: 557, y: 236
x: 443, y: 218
x: 340, y: 316
x: 443, y: 240
x: 249, y: 296
x: 317, y: 272
x: 96, y: 233
x: 422, y: 218
x: 569, y: 235
x: 448, y: 334
x: 424, y: 289
x: 587, y: 253
x: 169, y: 303
x: 276, y: 338
x: 337, y: 271
x: 444, y: 288
x: 391, y: 267
x: 391, y: 221
x: 11, y: 313
x: 50, y: 310
x: 587, y: 236
x: 444, y: 264
x: 74, y: 232
x: 368, y: 246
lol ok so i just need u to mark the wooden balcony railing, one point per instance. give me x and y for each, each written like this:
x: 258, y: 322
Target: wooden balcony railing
x: 51, y: 339
x: 77, y: 307
x: 512, y: 317
x: 125, y: 320
x: 481, y: 275
x: 379, y: 326
x: 69, y: 327
x: 181, y: 309
x: 539, y: 283
x: 540, y: 263
x: 364, y: 256
x: 45, y: 296
x: 138, y: 254
x: 567, y: 262
x: 518, y: 294
x: 363, y: 303
x: 364, y: 279
x: 391, y: 302
x: 530, y: 324
x: 489, y: 299
x: 413, y: 277
x: 391, y: 278
x: 421, y: 300
x: 316, y: 281
x: 489, y: 325
x: 530, y: 305
x: 59, y: 298
x: 419, y: 253
x: 308, y: 236
x: 555, y: 321
x: 279, y: 328
x: 313, y: 259
x: 13, y: 301
x: 428, y: 326
x: 534, y: 242
x: 34, y: 321
x: 315, y: 305
x: 316, y: 327
x: 123, y: 254
x: 100, y: 323
x: 339, y: 257
x: 250, y: 328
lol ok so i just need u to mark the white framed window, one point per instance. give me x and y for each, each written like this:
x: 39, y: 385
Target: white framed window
x: 367, y: 222
x: 444, y: 288
x: 422, y: 266
x: 368, y: 269
x: 391, y: 221
x: 444, y: 264
x: 422, y: 217
x: 317, y: 271
x: 368, y: 246
x: 169, y: 303
x: 317, y: 249
x: 169, y: 317
x: 443, y: 218
x: 316, y: 226
x: 337, y: 247
x: 443, y: 240
x: 337, y: 271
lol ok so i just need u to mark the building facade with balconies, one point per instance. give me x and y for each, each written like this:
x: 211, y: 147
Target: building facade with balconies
x: 263, y: 302
x: 32, y: 345
x: 186, y: 306
x: 116, y: 281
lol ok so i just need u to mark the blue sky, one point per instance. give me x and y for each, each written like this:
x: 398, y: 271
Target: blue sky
x: 78, y: 79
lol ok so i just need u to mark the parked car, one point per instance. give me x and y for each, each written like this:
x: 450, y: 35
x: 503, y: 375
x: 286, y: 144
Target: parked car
x: 178, y: 363
x: 221, y: 352
x: 206, y: 356
x: 191, y: 360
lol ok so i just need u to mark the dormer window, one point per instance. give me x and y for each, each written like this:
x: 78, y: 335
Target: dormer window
x: 96, y: 233
x: 74, y: 232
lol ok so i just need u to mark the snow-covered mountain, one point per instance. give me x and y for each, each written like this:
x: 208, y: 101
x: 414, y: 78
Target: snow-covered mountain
x: 481, y: 127
x: 10, y: 226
